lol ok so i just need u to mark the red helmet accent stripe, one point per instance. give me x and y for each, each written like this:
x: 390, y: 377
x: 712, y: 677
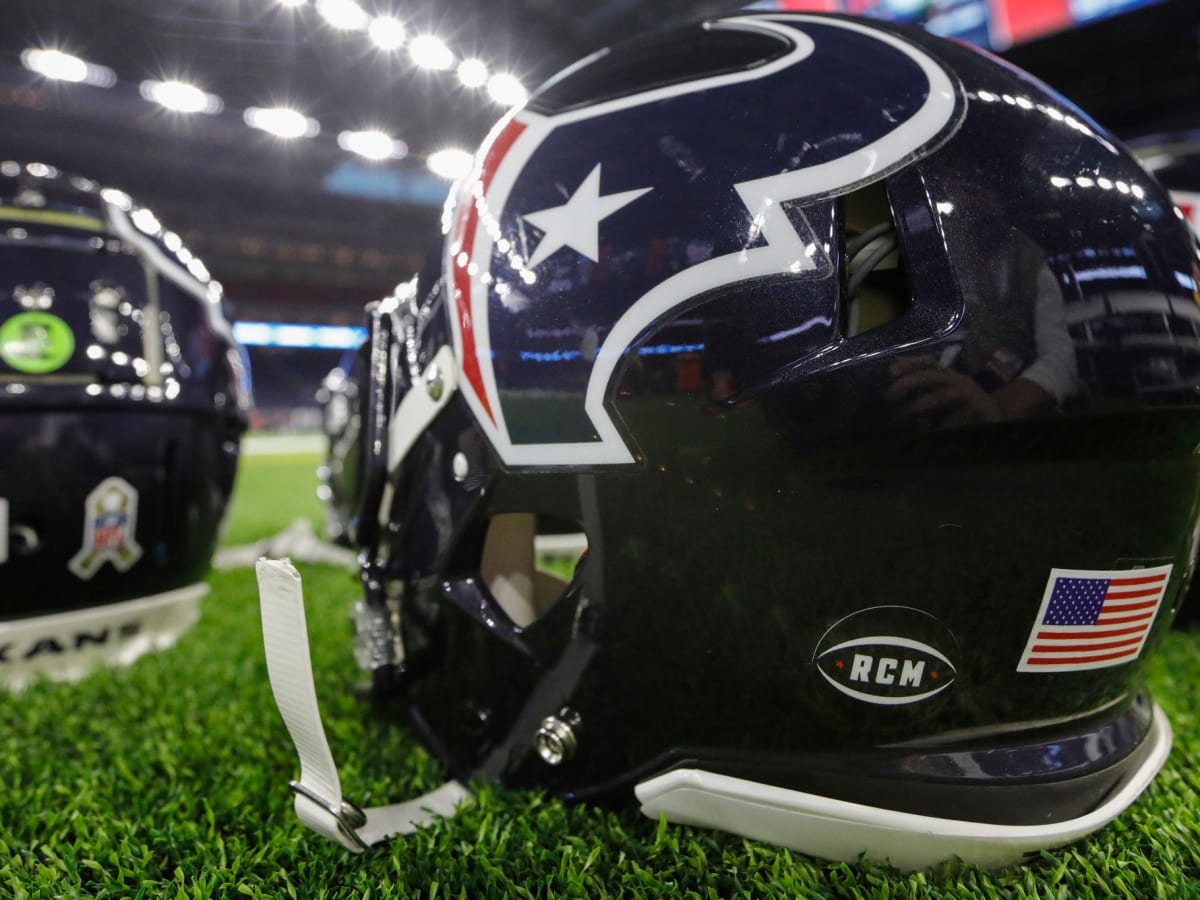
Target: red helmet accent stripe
x: 473, y: 193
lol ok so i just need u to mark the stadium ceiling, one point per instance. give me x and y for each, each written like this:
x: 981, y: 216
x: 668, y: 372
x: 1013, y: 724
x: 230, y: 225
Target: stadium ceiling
x: 310, y: 210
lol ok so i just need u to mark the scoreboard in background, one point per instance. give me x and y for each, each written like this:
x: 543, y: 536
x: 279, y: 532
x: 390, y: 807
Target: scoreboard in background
x: 990, y: 23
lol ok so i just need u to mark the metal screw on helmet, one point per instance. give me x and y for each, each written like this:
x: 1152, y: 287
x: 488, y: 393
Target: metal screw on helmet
x: 555, y: 738
x: 460, y: 466
x: 434, y: 382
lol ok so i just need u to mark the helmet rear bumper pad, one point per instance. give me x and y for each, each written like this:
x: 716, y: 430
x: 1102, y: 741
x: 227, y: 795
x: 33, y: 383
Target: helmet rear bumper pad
x: 840, y: 830
x: 68, y: 645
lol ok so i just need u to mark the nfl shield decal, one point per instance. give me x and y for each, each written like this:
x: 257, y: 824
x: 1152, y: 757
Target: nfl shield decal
x: 556, y: 203
x: 109, y: 526
x: 1093, y: 619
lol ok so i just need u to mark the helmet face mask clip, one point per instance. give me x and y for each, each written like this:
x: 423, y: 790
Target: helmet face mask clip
x: 759, y: 444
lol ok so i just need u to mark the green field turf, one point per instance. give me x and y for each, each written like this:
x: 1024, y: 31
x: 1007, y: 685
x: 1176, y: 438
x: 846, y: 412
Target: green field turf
x: 169, y: 779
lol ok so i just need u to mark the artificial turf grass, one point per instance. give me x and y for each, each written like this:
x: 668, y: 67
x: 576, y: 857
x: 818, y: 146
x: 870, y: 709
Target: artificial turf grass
x: 271, y: 492
x: 182, y: 792
x: 169, y: 779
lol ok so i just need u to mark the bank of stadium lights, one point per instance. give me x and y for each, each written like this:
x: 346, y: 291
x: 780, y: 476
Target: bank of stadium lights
x: 179, y: 96
x: 386, y: 32
x: 282, y: 122
x: 60, y: 66
x: 427, y: 51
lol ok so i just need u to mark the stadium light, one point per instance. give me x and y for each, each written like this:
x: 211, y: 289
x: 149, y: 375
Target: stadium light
x: 472, y: 73
x: 372, y: 144
x: 343, y: 14
x: 292, y: 4
x: 60, y: 66
x: 282, y: 122
x: 430, y: 52
x: 182, y: 97
x: 451, y: 163
x: 386, y: 32
x: 505, y: 89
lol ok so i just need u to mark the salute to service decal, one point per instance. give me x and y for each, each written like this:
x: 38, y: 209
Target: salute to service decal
x: 1093, y: 620
x: 109, y: 526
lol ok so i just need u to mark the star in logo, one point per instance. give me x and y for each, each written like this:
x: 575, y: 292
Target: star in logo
x: 576, y: 224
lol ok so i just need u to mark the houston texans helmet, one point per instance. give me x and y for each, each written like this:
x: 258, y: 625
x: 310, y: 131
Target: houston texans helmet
x: 823, y: 337
x: 122, y: 399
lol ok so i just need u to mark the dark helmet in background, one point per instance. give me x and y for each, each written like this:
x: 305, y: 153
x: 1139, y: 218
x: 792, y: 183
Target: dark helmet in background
x: 821, y: 333
x: 123, y: 395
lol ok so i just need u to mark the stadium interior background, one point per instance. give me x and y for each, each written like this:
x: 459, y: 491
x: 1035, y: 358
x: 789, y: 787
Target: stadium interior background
x: 304, y: 230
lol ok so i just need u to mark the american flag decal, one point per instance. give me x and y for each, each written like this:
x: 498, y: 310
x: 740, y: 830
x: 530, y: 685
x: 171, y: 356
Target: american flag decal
x: 1093, y: 620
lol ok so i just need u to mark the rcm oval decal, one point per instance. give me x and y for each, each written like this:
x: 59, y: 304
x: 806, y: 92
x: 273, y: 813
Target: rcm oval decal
x: 892, y: 665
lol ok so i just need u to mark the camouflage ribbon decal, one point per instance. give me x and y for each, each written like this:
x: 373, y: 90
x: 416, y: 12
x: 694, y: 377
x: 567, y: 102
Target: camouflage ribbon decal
x: 109, y: 525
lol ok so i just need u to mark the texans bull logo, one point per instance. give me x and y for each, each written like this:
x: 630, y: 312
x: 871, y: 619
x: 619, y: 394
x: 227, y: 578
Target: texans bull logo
x: 555, y: 230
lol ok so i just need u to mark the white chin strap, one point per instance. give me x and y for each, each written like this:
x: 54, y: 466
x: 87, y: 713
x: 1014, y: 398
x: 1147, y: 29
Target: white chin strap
x: 319, y: 801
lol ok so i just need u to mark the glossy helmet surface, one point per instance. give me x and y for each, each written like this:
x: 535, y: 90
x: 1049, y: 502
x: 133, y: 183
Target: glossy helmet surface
x: 1174, y: 159
x: 829, y: 336
x: 122, y: 399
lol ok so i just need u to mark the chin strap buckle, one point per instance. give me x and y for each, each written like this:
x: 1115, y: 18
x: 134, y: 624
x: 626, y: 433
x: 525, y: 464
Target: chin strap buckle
x: 318, y: 792
x: 349, y: 817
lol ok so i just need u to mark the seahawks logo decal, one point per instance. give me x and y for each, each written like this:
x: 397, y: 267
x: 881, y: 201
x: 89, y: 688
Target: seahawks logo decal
x: 565, y: 225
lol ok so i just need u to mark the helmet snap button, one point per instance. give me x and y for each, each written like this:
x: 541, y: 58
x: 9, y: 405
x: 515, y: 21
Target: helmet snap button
x: 433, y: 382
x: 555, y: 739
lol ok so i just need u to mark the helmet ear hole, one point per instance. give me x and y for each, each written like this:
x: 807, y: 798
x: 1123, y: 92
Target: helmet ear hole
x: 877, y: 289
x: 528, y: 562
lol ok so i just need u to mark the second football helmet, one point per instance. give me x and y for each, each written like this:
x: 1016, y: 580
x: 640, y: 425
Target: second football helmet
x: 123, y: 395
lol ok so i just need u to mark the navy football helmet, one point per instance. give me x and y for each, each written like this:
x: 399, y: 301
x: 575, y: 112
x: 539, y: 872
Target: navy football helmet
x: 123, y: 395
x: 819, y: 334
